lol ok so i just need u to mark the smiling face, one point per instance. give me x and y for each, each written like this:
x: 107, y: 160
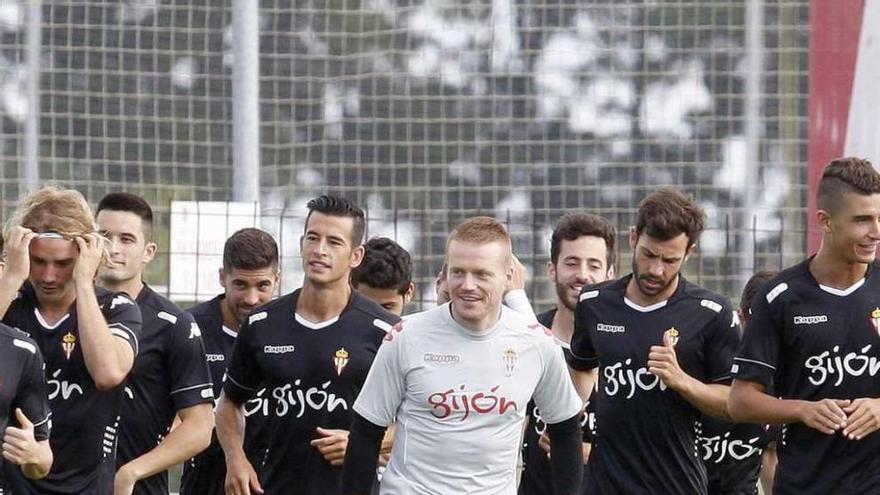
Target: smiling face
x: 852, y: 232
x: 327, y: 251
x: 477, y: 275
x: 129, y: 249
x: 582, y: 261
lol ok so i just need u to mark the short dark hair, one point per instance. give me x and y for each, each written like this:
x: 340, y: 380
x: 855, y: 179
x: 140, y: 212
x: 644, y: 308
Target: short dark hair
x: 132, y: 203
x: 386, y: 265
x: 752, y: 287
x: 668, y: 213
x: 339, y: 207
x: 250, y: 249
x: 845, y: 175
x: 573, y: 226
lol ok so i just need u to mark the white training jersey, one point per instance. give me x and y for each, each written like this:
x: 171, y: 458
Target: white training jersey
x: 459, y: 400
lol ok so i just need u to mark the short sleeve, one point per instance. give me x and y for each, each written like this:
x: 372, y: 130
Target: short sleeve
x: 32, y: 396
x: 244, y: 377
x: 721, y: 344
x: 555, y: 395
x: 383, y: 390
x: 583, y: 355
x: 758, y: 354
x: 123, y: 319
x: 185, y: 353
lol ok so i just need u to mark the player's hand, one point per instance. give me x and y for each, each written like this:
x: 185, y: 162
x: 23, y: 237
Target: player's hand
x: 331, y: 445
x: 663, y: 362
x: 91, y: 253
x: 123, y: 483
x: 518, y: 280
x: 19, y: 445
x: 18, y: 260
x: 863, y: 418
x: 586, y: 448
x: 825, y: 415
x: 384, y: 459
x: 241, y: 479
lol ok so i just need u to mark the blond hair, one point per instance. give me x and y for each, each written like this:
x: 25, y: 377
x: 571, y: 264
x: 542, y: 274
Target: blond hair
x: 480, y: 230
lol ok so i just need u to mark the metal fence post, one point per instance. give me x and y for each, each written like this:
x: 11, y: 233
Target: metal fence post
x: 246, y: 101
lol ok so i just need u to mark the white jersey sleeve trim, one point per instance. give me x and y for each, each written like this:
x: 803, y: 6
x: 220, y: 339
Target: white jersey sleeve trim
x: 754, y: 361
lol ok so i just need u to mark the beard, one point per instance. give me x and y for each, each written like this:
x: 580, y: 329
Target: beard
x: 642, y: 278
x: 562, y: 292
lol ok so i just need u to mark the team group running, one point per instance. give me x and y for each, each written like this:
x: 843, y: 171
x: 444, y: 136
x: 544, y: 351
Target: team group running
x: 634, y: 383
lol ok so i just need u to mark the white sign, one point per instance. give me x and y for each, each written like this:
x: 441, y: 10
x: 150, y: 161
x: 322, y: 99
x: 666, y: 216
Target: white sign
x: 199, y: 230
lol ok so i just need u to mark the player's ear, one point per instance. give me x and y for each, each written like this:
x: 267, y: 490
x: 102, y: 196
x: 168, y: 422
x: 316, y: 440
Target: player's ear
x: 221, y: 273
x: 150, y: 251
x: 357, y: 256
x: 551, y: 271
x: 824, y: 219
x: 410, y: 292
x: 610, y: 273
x: 633, y: 237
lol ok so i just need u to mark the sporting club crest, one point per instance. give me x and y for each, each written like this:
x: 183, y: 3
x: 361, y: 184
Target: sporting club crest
x: 510, y: 359
x: 68, y: 343
x: 875, y: 320
x: 340, y: 360
x: 672, y: 334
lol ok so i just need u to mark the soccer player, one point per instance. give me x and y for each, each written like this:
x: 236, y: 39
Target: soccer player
x: 457, y: 379
x: 581, y: 253
x: 311, y: 350
x: 733, y: 453
x: 812, y: 337
x: 249, y: 278
x: 23, y: 396
x: 170, y: 375
x: 385, y: 275
x: 663, y: 347
x: 88, y: 336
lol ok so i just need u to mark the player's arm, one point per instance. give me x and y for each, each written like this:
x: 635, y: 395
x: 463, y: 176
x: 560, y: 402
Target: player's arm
x: 244, y: 379
x: 108, y: 356
x: 709, y: 398
x: 515, y: 296
x: 27, y: 445
x: 374, y: 410
x: 18, y: 264
x: 749, y: 403
x: 241, y: 478
x: 584, y: 381
x: 191, y: 436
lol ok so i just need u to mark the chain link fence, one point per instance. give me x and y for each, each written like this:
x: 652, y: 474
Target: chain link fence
x: 426, y: 111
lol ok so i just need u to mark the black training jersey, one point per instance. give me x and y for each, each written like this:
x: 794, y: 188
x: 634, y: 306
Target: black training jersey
x: 170, y: 374
x: 84, y: 419
x: 205, y: 473
x: 647, y: 435
x: 732, y: 455
x: 22, y: 386
x: 811, y: 342
x: 537, y: 475
x: 313, y: 373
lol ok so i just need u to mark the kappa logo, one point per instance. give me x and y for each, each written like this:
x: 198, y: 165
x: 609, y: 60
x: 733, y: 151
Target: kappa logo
x: 278, y: 349
x: 601, y: 327
x: 430, y: 357
x: 340, y: 360
x: 120, y: 300
x: 810, y: 320
x: 213, y: 358
x: 194, y: 331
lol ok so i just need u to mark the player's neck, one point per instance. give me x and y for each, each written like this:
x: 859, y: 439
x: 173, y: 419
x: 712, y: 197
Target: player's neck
x: 833, y: 271
x: 321, y: 303
x: 53, y: 311
x: 563, y: 323
x: 132, y: 286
